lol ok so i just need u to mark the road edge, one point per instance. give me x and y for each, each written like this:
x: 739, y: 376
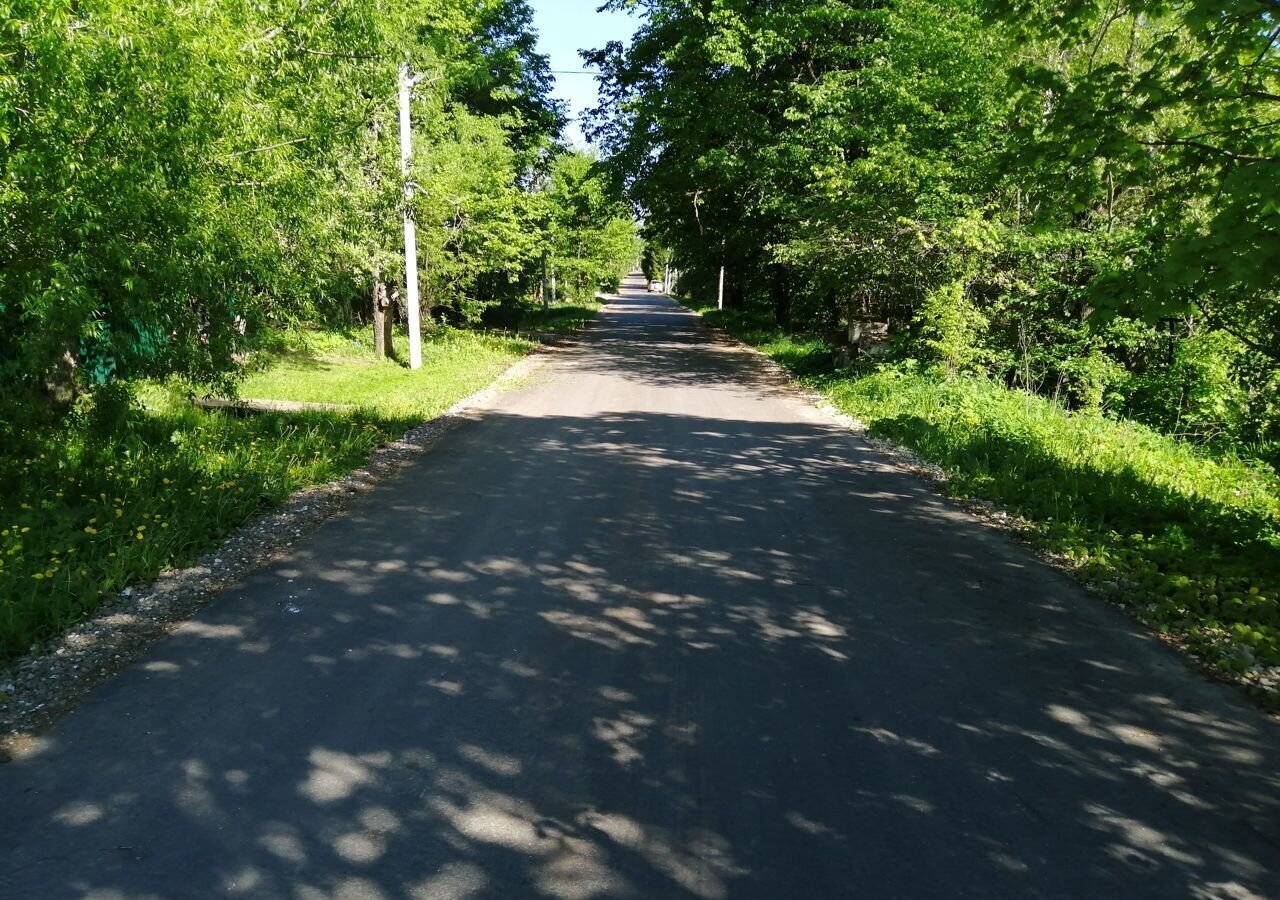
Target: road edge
x: 42, y: 687
x: 1018, y: 529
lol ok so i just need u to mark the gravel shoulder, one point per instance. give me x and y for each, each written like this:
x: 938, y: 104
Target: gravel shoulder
x: 40, y: 688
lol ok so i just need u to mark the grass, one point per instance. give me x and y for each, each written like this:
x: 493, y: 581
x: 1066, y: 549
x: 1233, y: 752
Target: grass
x: 339, y: 367
x: 102, y: 502
x: 532, y: 317
x: 1190, y: 543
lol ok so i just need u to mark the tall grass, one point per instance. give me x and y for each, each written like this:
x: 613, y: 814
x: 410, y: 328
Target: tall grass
x: 101, y: 502
x: 1188, y: 541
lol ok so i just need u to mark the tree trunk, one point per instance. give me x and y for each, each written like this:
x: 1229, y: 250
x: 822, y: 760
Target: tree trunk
x: 381, y: 318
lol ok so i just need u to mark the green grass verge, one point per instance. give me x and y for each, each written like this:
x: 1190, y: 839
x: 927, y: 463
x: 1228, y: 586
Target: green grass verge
x: 85, y: 511
x: 339, y: 367
x: 1189, y: 542
x: 530, y: 317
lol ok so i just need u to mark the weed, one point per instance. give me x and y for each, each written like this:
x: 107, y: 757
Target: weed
x: 86, y: 511
x: 1188, y: 541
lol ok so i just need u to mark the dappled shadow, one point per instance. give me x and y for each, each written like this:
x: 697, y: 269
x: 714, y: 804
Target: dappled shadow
x: 650, y: 340
x: 533, y: 317
x: 646, y: 650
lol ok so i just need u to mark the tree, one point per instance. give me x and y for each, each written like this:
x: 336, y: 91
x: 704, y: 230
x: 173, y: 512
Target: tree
x: 1164, y: 118
x: 171, y: 178
x: 591, y: 237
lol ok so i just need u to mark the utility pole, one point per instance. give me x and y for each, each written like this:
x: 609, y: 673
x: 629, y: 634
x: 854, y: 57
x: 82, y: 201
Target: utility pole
x: 720, y: 292
x: 544, y: 292
x: 412, y: 307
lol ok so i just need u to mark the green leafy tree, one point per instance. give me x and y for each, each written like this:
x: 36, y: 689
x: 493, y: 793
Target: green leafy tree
x: 591, y: 236
x: 173, y: 177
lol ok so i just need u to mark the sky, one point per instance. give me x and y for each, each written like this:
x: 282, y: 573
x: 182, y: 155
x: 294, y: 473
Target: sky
x: 565, y: 26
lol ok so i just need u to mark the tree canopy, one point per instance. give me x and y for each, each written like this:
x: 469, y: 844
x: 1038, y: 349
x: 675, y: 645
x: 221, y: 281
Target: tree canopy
x: 175, y: 176
x: 1078, y: 197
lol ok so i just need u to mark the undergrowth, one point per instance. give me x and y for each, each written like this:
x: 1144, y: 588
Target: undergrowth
x: 530, y: 316
x: 120, y: 491
x: 1188, y: 541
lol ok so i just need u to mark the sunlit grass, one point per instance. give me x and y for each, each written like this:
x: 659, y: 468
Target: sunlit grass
x: 339, y: 367
x: 1189, y: 541
x: 82, y: 515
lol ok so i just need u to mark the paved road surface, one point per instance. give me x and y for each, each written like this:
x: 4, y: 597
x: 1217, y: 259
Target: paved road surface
x: 651, y: 627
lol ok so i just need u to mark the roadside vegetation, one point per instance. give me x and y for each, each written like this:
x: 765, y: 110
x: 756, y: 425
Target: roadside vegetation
x: 120, y: 490
x: 341, y: 367
x: 1186, y: 540
x: 1036, y: 241
x: 207, y: 201
x: 536, y: 318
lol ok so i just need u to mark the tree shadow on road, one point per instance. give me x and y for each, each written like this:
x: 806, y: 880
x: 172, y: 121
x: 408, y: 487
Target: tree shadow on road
x: 654, y: 655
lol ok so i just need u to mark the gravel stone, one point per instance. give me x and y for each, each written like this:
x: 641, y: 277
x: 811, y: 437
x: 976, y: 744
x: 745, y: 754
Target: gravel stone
x: 41, y: 687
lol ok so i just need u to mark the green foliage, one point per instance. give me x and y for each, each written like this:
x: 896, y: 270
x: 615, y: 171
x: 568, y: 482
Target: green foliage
x: 475, y: 221
x: 591, y: 236
x: 85, y: 511
x: 1076, y: 197
x: 1160, y: 118
x: 950, y: 325
x: 654, y: 261
x: 1190, y: 543
x: 172, y: 177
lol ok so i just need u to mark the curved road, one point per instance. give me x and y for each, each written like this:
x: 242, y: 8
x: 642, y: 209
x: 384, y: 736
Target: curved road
x: 651, y: 626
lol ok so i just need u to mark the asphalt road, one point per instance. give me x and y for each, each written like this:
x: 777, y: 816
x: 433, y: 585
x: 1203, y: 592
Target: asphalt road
x: 650, y: 626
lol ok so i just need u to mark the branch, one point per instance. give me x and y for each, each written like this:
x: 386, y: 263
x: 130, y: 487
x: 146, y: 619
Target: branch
x: 330, y: 53
x: 1216, y: 320
x: 1239, y: 157
x: 268, y: 147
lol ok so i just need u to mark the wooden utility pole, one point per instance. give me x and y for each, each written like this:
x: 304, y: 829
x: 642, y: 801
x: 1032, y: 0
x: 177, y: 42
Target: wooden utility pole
x: 412, y: 308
